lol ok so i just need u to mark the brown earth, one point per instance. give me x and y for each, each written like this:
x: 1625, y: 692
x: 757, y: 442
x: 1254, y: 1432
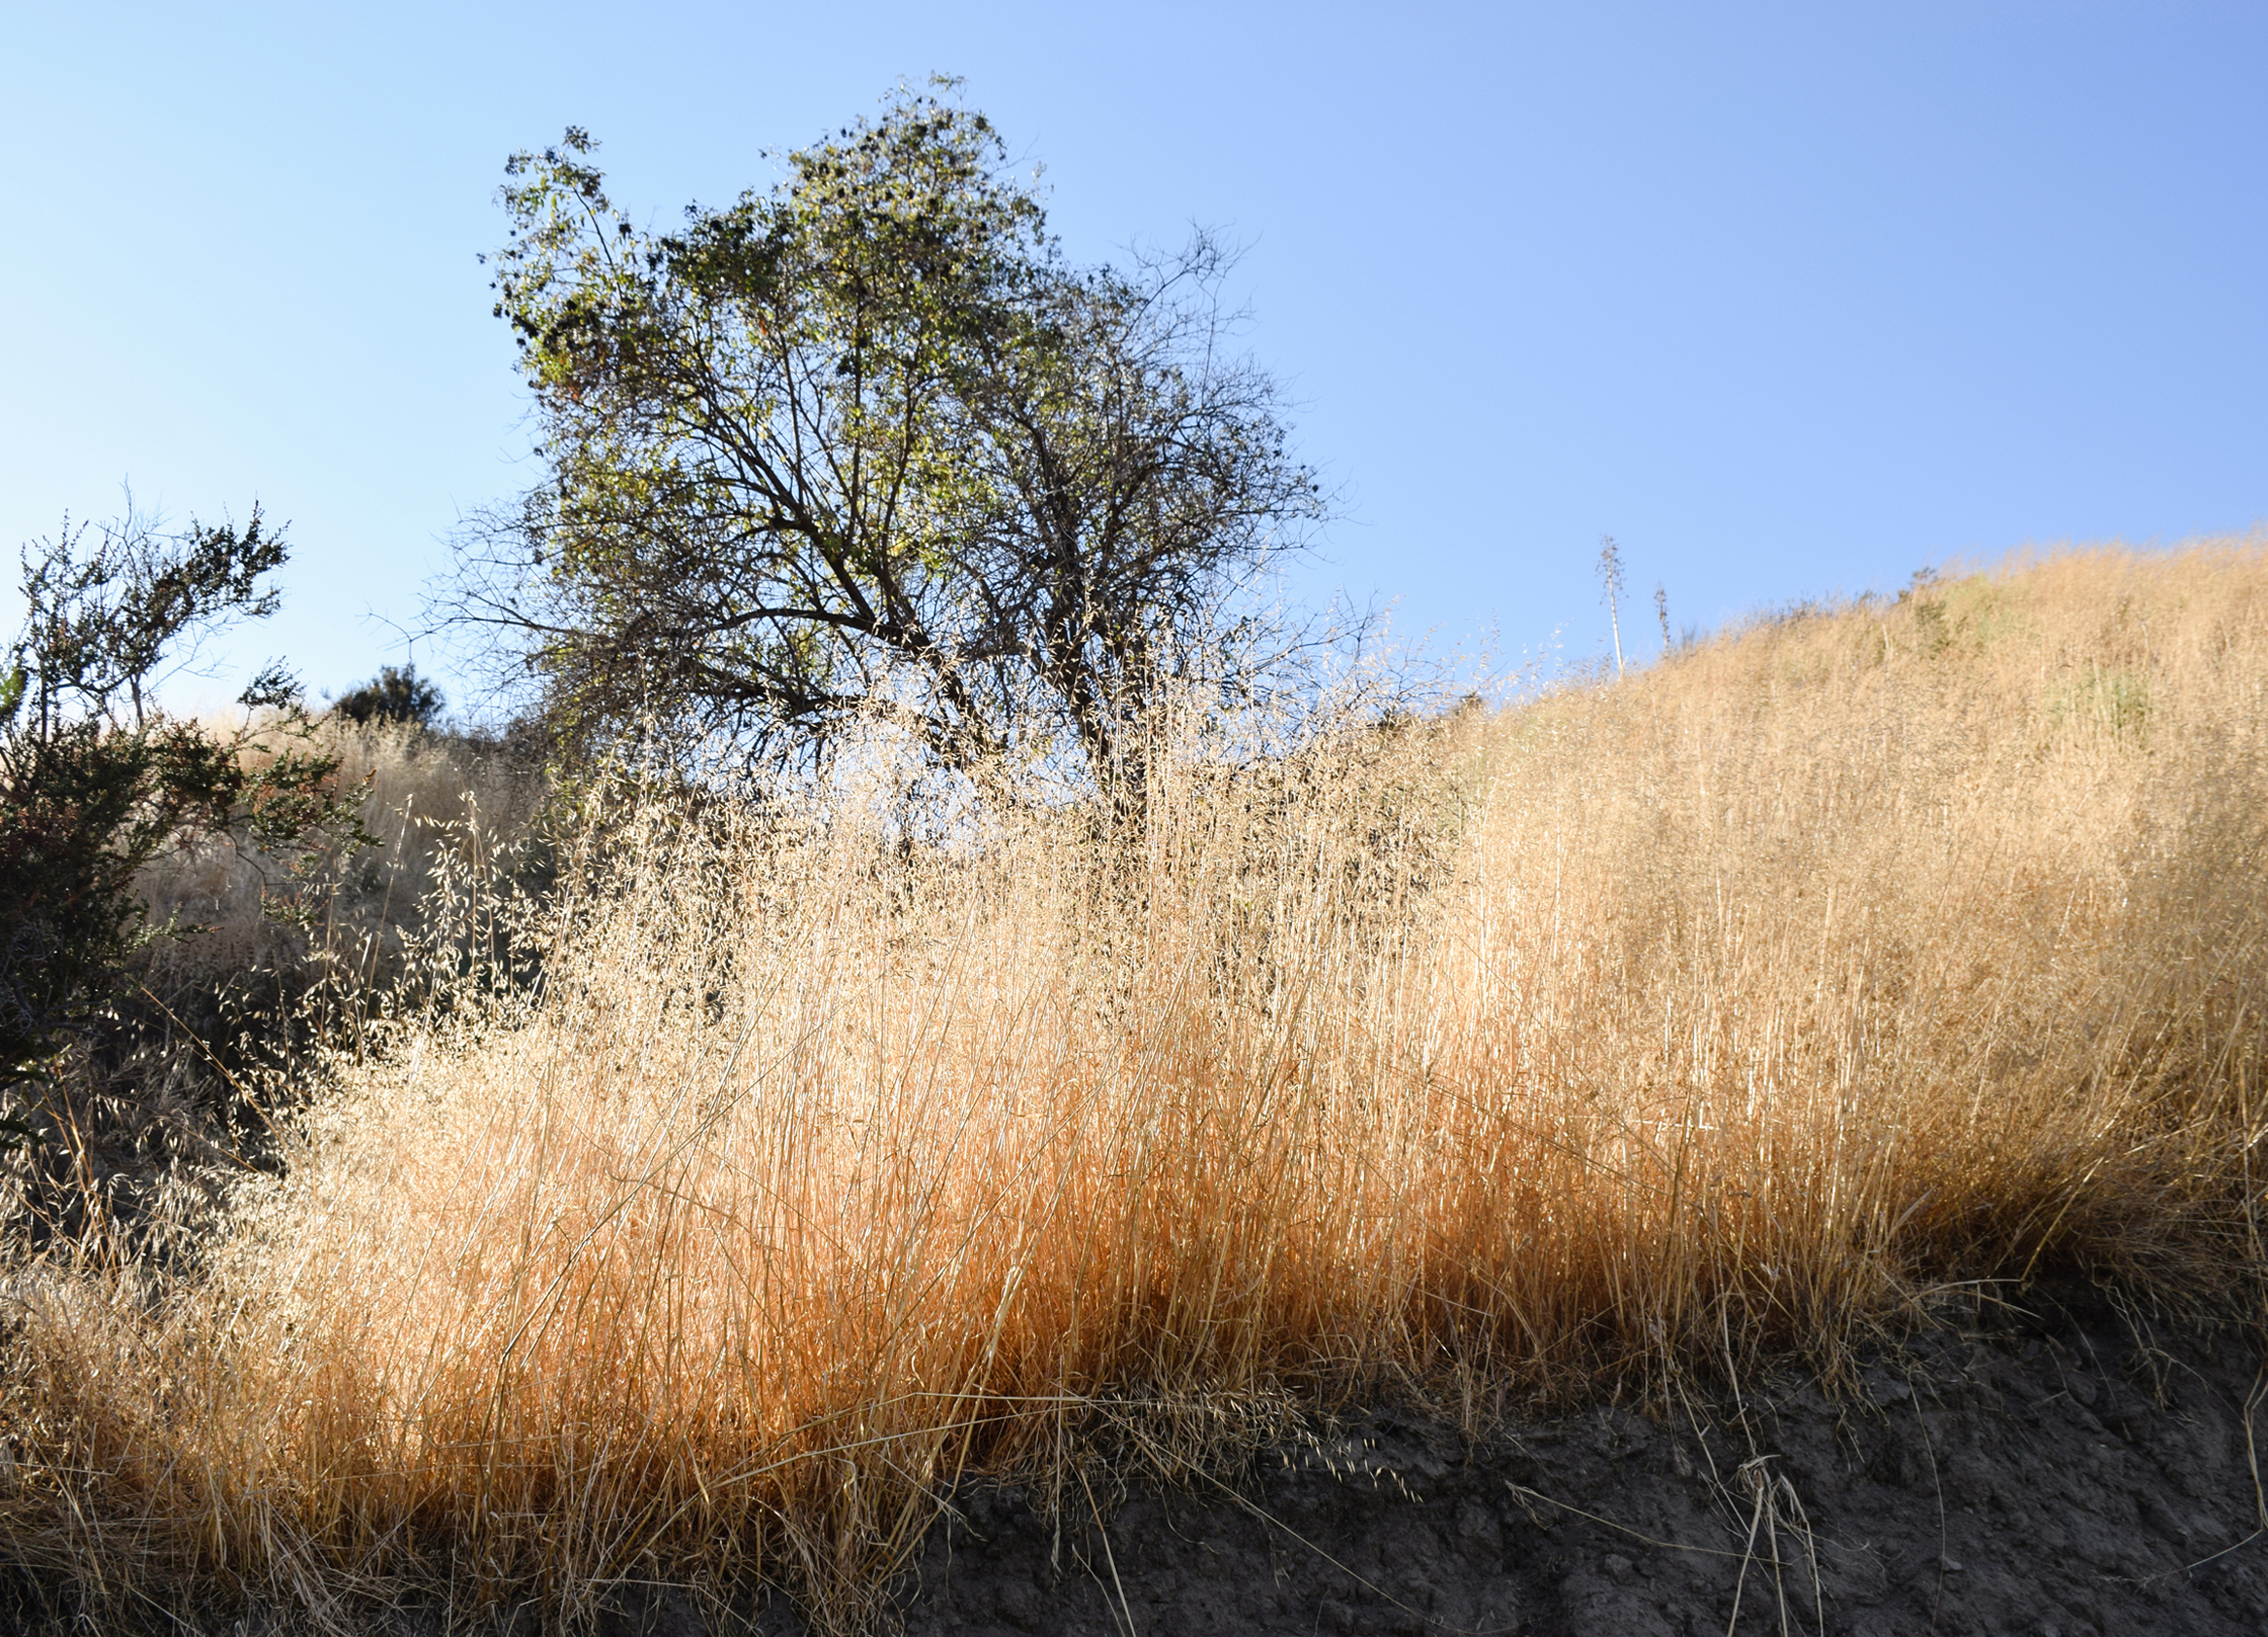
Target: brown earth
x: 2057, y: 1479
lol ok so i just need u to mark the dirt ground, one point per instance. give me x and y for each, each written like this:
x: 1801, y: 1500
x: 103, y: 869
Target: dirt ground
x: 2044, y: 1479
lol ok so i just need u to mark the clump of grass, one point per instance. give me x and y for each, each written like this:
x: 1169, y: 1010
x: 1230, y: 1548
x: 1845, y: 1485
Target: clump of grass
x: 1725, y: 1012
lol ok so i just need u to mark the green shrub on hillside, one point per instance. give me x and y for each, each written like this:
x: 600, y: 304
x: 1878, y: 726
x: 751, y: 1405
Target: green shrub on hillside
x: 98, y: 779
x: 396, y: 693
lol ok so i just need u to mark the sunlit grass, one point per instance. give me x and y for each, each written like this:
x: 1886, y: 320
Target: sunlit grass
x: 1651, y: 1029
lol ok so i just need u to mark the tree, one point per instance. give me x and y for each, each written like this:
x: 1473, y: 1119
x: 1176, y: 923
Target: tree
x: 868, y: 443
x: 396, y: 693
x: 95, y: 779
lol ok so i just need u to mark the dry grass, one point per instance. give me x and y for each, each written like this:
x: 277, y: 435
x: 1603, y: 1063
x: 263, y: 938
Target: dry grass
x: 433, y: 805
x: 125, y: 1144
x: 130, y: 1141
x: 1653, y: 1028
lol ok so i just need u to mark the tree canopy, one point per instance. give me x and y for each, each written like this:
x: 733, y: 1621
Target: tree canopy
x: 868, y: 443
x: 396, y: 693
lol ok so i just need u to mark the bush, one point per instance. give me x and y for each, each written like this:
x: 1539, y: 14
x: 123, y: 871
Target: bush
x: 396, y: 693
x: 98, y: 779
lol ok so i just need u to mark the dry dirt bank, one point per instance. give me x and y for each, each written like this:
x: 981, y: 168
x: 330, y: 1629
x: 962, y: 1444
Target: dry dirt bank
x: 2033, y: 1477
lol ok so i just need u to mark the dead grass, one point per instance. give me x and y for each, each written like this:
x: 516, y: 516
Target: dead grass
x: 432, y: 805
x: 1648, y: 1029
x: 130, y: 1141
x: 268, y: 951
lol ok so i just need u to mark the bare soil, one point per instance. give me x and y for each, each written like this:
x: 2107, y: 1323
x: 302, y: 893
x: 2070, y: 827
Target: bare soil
x: 2055, y: 1479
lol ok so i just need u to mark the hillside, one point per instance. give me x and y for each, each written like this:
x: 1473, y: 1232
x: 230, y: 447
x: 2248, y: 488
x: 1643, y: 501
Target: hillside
x: 1852, y: 974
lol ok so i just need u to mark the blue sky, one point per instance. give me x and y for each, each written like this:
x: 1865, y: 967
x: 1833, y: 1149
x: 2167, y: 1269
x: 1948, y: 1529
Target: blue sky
x: 1792, y: 300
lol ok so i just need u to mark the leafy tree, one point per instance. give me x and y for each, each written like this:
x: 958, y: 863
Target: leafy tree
x: 396, y: 693
x: 865, y: 443
x: 95, y: 779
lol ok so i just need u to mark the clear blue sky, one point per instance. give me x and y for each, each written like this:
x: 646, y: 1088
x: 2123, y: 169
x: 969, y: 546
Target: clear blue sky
x: 1788, y: 299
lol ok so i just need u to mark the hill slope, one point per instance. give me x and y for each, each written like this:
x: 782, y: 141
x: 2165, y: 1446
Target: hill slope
x: 1628, y: 1043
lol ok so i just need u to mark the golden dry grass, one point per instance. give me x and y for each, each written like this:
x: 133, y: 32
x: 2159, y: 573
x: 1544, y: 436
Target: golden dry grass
x: 1656, y: 1028
x: 432, y: 804
x: 131, y: 1140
